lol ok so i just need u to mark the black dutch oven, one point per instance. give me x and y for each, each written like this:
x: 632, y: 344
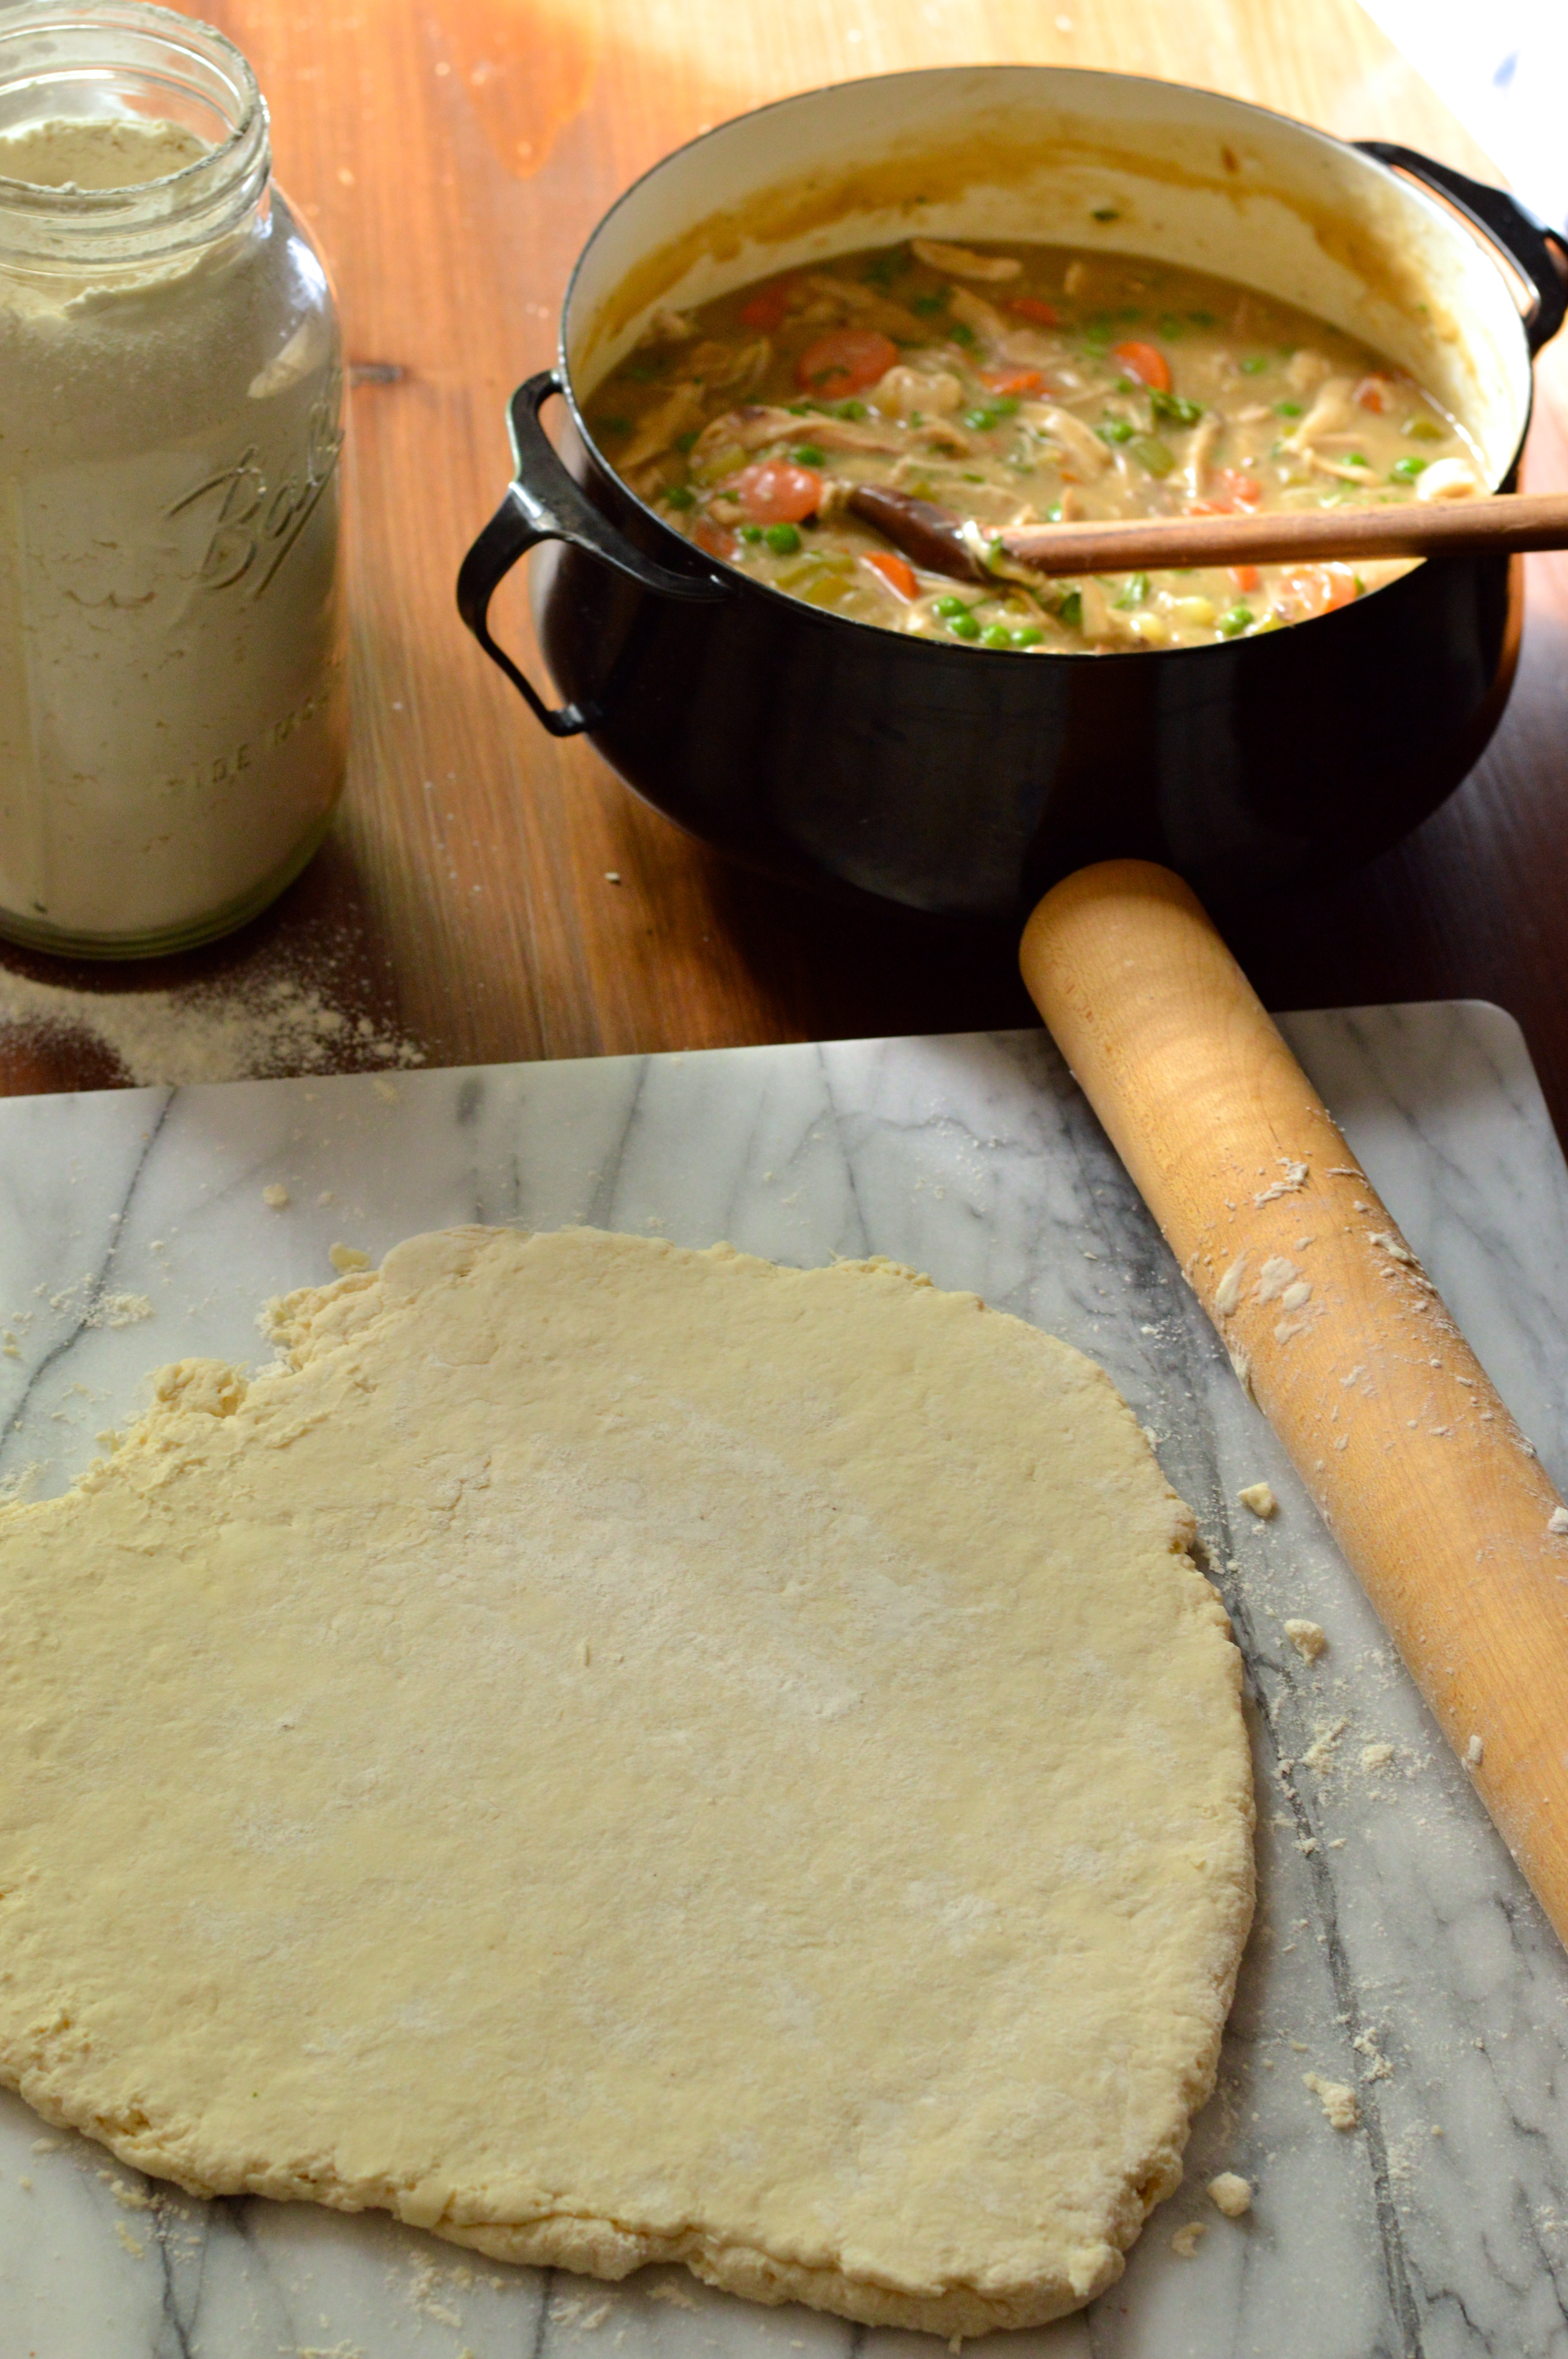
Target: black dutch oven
x: 951, y: 778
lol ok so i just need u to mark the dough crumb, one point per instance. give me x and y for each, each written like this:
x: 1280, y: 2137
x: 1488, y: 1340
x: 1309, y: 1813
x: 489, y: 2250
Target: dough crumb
x: 1231, y: 2194
x: 1295, y: 1180
x: 677, y: 2296
x: 345, y: 1258
x: 1308, y: 1638
x: 275, y: 1196
x: 1393, y: 1246
x: 1227, y: 1293
x: 1557, y: 1522
x: 133, y: 2244
x: 1341, y: 2105
x: 1475, y: 1753
x: 1185, y: 2242
x: 1376, y: 1756
x: 1260, y: 1499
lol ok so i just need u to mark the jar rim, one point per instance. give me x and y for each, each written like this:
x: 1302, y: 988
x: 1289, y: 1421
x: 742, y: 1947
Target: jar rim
x: 52, y: 51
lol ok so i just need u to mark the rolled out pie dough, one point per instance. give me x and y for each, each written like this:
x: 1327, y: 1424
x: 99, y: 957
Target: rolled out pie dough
x: 617, y: 1753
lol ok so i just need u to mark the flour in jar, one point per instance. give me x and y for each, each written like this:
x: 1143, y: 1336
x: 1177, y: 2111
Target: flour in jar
x: 171, y: 691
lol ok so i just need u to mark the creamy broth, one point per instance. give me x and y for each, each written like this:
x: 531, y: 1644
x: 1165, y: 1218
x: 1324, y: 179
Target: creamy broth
x: 1008, y: 386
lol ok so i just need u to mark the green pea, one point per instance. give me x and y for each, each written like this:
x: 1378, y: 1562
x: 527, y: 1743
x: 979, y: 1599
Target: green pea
x: 960, y: 334
x: 1255, y: 364
x: 1136, y: 592
x: 979, y: 421
x: 964, y: 626
x: 928, y: 304
x: 1104, y: 213
x: 1054, y: 514
x: 1405, y: 470
x: 680, y: 495
x: 1357, y: 459
x: 781, y: 539
x: 852, y: 411
x: 751, y: 532
x: 1070, y: 609
x: 1005, y: 406
x: 950, y: 605
x: 810, y: 454
x: 1239, y: 619
x: 1173, y: 406
x: 1115, y: 430
x: 996, y: 635
x: 1029, y: 637
x: 1287, y: 409
x: 683, y: 442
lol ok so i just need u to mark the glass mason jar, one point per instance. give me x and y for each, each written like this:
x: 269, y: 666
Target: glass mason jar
x: 172, y: 690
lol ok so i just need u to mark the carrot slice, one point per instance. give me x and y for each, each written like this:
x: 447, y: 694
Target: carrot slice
x: 1030, y: 307
x: 777, y: 492
x: 1242, y: 490
x: 1015, y: 380
x: 1144, y: 361
x: 896, y: 572
x: 845, y: 361
x: 713, y: 538
x: 768, y: 306
x: 1373, y: 393
x: 1246, y: 577
x: 1321, y: 590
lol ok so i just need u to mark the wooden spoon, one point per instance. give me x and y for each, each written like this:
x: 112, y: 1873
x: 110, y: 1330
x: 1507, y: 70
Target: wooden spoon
x: 1332, y: 1327
x: 934, y: 540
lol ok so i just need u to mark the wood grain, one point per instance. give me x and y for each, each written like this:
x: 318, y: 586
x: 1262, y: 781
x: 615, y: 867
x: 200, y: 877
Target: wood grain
x: 1419, y: 1472
x: 453, y: 156
x: 1295, y: 536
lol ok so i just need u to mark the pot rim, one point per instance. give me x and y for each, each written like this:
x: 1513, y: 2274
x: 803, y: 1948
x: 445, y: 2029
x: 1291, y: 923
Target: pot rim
x: 736, y: 578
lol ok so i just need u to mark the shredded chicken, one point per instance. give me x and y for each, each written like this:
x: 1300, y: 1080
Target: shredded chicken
x: 1306, y: 370
x: 977, y: 314
x: 869, y: 307
x: 905, y: 390
x: 679, y: 411
x: 959, y: 263
x: 1200, y: 449
x: 1078, y: 442
x: 668, y: 327
x: 1330, y: 408
x: 1342, y: 469
x: 1078, y: 278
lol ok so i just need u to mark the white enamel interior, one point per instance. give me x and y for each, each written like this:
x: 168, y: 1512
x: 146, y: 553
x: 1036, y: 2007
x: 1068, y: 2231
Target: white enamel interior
x: 1191, y: 178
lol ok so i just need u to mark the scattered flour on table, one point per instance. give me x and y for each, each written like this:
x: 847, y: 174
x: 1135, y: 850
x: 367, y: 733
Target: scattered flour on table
x: 206, y: 1032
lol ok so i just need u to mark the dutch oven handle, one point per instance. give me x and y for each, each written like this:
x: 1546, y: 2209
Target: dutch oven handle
x: 544, y: 502
x: 1538, y: 253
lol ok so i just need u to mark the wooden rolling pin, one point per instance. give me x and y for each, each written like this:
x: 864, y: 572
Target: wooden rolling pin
x: 1418, y: 1468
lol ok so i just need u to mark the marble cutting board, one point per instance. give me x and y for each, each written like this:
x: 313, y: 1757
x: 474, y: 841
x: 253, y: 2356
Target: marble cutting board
x: 1395, y: 1948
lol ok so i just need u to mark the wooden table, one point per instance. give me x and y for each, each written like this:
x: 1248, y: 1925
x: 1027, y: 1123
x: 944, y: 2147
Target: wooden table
x: 453, y: 156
